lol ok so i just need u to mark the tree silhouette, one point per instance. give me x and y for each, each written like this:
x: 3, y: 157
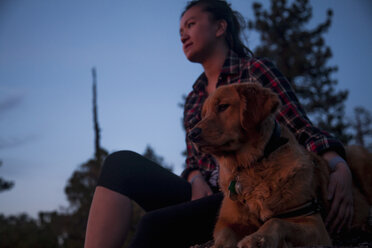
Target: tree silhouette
x: 137, y: 211
x: 362, y: 125
x: 23, y: 231
x: 150, y: 154
x: 81, y: 186
x: 98, y: 151
x: 301, y: 54
x: 70, y: 223
x: 4, y: 184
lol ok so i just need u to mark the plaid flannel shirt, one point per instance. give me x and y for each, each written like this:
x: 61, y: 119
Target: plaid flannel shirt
x: 243, y: 70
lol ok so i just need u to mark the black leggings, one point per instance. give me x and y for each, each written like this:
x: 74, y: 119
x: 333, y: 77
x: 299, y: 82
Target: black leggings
x: 172, y: 220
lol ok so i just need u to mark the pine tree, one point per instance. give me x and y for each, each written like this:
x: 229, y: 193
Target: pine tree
x: 362, y: 126
x: 24, y: 231
x: 5, y: 184
x: 150, y: 154
x: 301, y: 54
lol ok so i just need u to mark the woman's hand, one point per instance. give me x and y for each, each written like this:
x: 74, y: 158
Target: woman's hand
x: 340, y: 192
x: 199, y: 187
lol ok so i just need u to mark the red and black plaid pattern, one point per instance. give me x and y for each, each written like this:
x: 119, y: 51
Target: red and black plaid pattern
x: 244, y: 70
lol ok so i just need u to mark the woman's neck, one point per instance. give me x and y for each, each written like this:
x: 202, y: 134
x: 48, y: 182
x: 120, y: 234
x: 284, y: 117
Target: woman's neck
x: 213, y: 65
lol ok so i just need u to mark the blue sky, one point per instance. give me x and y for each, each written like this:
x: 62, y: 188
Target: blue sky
x: 47, y: 50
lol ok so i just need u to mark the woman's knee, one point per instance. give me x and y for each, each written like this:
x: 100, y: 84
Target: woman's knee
x: 116, y: 160
x: 117, y: 167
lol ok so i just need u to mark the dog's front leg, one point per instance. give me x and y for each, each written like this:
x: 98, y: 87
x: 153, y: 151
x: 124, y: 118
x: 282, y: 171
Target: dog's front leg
x: 224, y: 236
x: 225, y: 231
x: 300, y: 231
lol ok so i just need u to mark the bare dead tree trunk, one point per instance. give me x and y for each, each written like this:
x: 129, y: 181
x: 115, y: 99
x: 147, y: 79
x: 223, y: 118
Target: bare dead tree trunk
x: 95, y: 118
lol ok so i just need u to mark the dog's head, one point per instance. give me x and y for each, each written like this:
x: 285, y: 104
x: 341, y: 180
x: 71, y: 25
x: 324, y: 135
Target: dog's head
x: 233, y: 116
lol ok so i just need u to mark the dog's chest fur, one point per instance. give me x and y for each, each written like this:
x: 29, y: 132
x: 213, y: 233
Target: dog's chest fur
x: 267, y: 187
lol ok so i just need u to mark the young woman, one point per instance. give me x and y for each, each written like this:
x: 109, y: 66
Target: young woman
x: 181, y: 211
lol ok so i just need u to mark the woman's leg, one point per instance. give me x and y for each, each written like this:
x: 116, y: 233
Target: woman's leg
x: 109, y: 219
x: 127, y: 175
x: 180, y: 226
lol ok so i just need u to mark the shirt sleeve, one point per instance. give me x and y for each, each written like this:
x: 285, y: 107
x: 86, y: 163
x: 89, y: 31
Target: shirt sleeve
x: 292, y: 113
x: 189, y: 120
x: 195, y: 160
x: 191, y: 160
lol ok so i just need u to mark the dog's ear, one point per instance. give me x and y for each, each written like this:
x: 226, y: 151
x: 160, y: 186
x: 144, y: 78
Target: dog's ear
x: 256, y: 104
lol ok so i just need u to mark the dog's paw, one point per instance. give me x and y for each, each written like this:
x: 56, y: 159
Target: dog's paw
x: 226, y: 238
x: 223, y: 246
x: 231, y: 243
x: 256, y: 240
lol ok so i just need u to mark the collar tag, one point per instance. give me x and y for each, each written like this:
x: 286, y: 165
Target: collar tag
x: 235, y: 189
x: 232, y: 191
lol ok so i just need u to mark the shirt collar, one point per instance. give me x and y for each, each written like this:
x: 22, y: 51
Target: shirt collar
x: 231, y: 66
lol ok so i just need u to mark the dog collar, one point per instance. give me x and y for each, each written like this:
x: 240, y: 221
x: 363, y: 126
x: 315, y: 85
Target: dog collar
x: 274, y: 142
x: 309, y: 208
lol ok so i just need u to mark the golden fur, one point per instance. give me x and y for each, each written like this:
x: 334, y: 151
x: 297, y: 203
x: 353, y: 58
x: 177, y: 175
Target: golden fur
x: 237, y: 122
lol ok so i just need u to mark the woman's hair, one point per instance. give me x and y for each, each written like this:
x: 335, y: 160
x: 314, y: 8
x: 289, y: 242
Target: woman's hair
x: 221, y: 10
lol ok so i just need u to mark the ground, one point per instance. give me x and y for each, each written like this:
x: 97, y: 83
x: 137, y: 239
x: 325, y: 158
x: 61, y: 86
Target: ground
x: 353, y: 239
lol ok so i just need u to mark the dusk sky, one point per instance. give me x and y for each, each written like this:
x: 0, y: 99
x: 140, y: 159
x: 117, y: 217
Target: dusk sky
x: 47, y: 51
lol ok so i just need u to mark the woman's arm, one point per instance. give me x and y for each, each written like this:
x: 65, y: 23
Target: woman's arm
x: 199, y: 186
x: 292, y: 114
x: 340, y: 192
x: 194, y: 172
x: 314, y: 139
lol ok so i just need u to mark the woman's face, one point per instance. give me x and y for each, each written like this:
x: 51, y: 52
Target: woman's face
x: 198, y: 34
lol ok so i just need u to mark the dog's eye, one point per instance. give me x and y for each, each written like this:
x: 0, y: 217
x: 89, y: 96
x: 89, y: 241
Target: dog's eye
x: 222, y: 107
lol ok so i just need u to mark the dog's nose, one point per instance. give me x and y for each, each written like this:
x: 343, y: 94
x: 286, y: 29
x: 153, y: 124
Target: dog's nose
x: 194, y: 134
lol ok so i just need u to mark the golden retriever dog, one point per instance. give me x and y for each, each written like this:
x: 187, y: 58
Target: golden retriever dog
x: 273, y: 187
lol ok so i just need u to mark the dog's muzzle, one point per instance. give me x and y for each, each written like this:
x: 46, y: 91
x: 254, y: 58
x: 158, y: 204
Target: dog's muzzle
x: 194, y: 134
